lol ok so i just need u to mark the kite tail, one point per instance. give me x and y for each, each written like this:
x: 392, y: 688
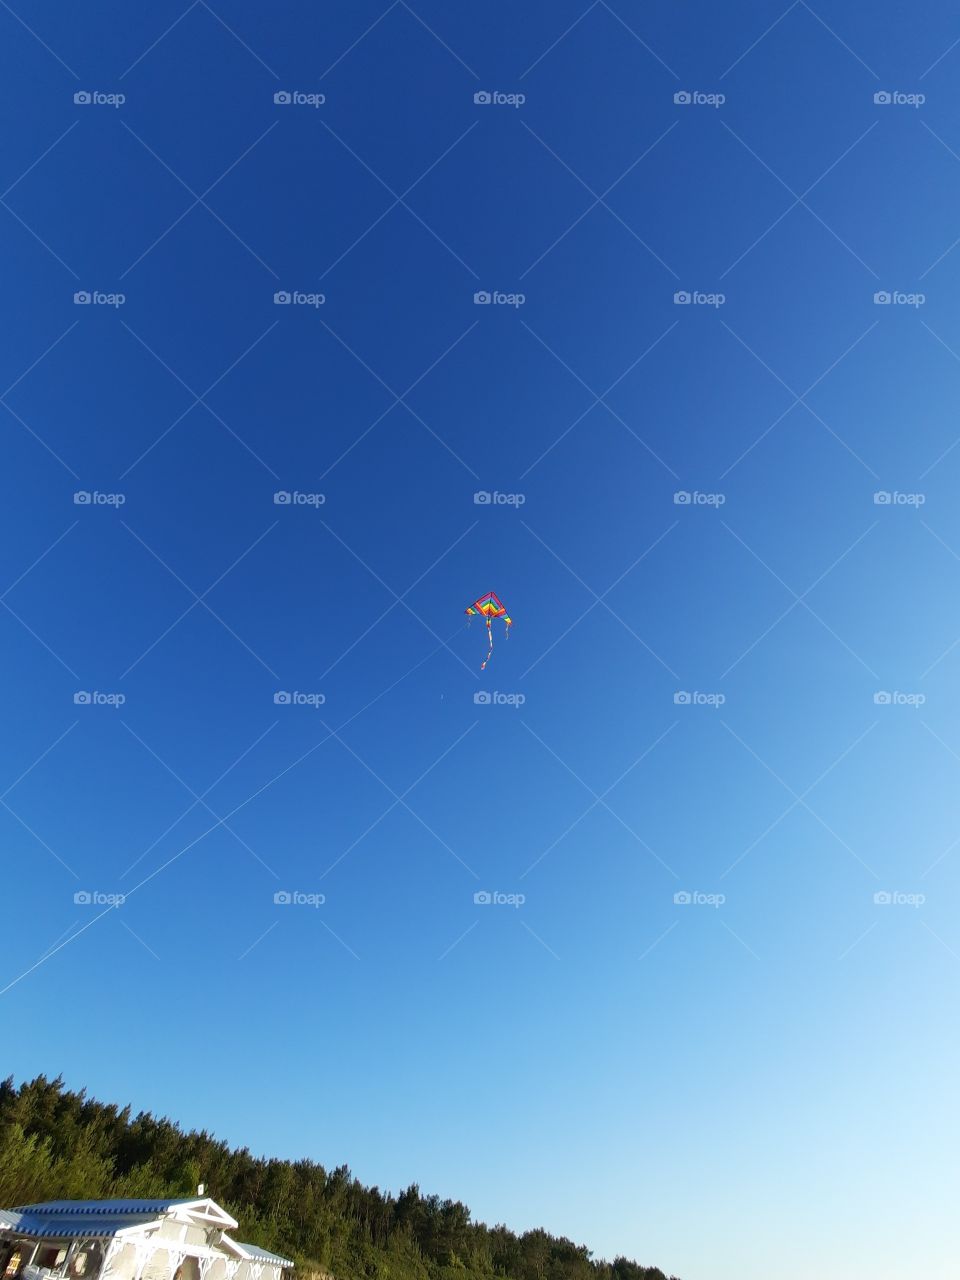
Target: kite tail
x: 490, y: 650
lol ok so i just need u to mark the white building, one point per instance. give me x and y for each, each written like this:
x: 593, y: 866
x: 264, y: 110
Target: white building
x: 130, y: 1240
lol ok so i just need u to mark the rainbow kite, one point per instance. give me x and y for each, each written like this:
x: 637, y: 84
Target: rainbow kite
x: 489, y: 607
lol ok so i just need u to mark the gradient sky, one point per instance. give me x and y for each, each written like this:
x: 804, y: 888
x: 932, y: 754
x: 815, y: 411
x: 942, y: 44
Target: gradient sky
x: 757, y: 1082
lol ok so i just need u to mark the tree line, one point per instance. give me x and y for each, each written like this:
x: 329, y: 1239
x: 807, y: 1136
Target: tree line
x: 59, y: 1144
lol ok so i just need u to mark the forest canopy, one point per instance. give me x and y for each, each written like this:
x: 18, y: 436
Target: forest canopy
x: 59, y: 1144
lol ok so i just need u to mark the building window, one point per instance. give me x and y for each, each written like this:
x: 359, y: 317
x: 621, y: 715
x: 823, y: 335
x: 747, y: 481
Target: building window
x: 50, y: 1255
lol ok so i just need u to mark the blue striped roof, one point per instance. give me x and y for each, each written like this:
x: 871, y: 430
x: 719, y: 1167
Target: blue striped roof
x: 263, y: 1255
x: 103, y: 1207
x: 90, y: 1218
x: 40, y: 1226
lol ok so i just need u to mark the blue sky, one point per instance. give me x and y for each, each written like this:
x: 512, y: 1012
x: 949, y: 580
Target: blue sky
x: 748, y: 699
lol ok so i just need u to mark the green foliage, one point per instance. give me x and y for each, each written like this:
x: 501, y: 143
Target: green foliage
x: 56, y: 1144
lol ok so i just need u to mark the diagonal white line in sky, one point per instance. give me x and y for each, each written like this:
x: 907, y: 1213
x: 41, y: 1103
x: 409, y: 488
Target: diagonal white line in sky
x: 936, y: 462
x: 39, y: 439
x: 950, y: 648
x: 656, y: 943
x: 438, y: 39
x: 399, y: 800
x: 943, y: 944
x: 843, y: 954
x: 17, y: 381
x: 186, y: 848
x: 400, y: 199
x: 799, y: 799
x: 199, y: 799
x: 39, y: 239
x: 799, y: 399
x: 949, y: 49
x: 798, y: 599
x: 69, y: 929
x: 397, y: 200
x: 398, y: 399
x: 775, y: 23
x: 53, y: 53
x: 940, y: 857
x: 597, y: 601
x: 199, y: 399
x: 469, y: 929
x: 200, y: 599
x: 392, y: 606
x: 29, y: 369
x: 599, y: 200
x: 42, y: 756
x: 138, y: 938
x: 52, y: 951
x: 160, y: 37
x: 53, y: 653
x: 32, y: 166
x: 201, y: 200
x: 539, y: 939
x: 190, y: 808
x: 43, y: 555
x: 739, y: 939
x: 351, y: 47
x: 562, y: 36
x: 243, y: 954
x: 853, y: 53
x: 398, y: 599
x: 600, y: 599
x: 343, y: 944
x: 798, y: 199
x: 653, y: 53
x: 253, y: 53
x: 601, y: 799
x: 600, y: 399
x: 39, y: 839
